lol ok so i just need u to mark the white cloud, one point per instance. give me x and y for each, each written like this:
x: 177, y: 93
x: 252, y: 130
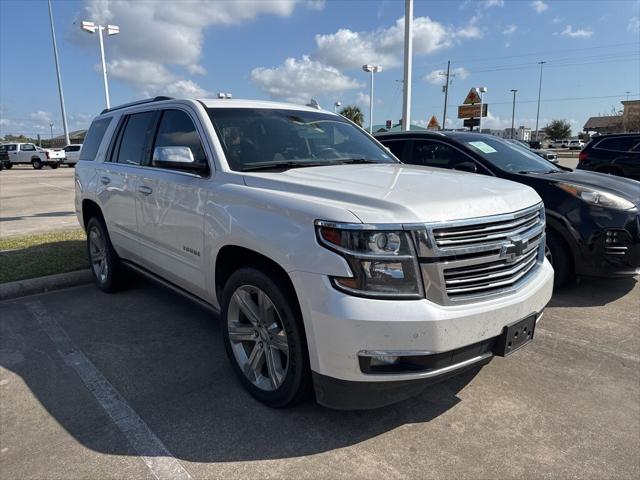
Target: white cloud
x: 510, y: 30
x: 157, y: 34
x: 362, y: 100
x: 41, y: 118
x: 436, y: 77
x: 299, y: 80
x: 557, y: 20
x: 579, y: 33
x: 492, y: 3
x: 539, y: 6
x: 348, y: 49
x: 316, y: 4
x: 634, y: 25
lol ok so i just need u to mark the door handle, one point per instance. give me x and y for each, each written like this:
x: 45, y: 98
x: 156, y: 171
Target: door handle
x: 143, y: 189
x: 105, y: 180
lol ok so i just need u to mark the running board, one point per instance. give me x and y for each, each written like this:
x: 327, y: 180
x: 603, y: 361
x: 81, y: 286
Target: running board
x: 171, y: 286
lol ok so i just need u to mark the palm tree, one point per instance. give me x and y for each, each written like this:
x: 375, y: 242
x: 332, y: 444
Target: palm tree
x: 353, y: 113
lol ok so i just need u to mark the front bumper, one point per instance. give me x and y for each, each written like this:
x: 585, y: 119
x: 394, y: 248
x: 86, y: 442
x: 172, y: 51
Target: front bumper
x: 338, y: 326
x: 608, y: 243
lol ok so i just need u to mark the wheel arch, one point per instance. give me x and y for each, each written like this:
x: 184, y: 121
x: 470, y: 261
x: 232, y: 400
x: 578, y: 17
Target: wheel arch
x: 90, y: 209
x: 557, y: 226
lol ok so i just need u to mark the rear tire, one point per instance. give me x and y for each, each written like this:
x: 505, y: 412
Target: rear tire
x: 36, y: 164
x: 559, y: 256
x: 8, y: 166
x: 104, y: 262
x: 54, y: 165
x: 264, y: 337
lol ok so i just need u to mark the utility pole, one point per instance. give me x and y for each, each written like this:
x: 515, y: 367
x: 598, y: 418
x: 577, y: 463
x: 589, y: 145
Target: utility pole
x: 539, y: 92
x: 513, y: 111
x: 408, y: 58
x: 446, y: 93
x: 55, y: 56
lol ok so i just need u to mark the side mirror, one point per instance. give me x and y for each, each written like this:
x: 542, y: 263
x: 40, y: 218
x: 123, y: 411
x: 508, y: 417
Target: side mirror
x: 466, y: 167
x: 178, y: 158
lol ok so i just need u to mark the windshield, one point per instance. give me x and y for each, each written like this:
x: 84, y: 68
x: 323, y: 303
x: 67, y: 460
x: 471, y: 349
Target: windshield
x: 508, y: 156
x: 257, y: 138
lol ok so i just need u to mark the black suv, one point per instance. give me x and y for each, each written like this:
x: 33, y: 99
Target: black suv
x: 616, y: 154
x: 593, y: 220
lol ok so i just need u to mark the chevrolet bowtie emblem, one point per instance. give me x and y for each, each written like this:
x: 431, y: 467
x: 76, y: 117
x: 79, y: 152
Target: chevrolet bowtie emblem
x: 514, y: 250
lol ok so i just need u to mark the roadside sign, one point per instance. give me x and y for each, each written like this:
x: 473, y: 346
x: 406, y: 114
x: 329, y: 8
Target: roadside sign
x: 433, y: 124
x: 472, y: 111
x: 471, y: 122
x: 472, y: 97
x: 388, y: 124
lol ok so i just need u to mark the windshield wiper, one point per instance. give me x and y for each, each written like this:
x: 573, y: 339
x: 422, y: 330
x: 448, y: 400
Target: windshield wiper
x: 283, y: 165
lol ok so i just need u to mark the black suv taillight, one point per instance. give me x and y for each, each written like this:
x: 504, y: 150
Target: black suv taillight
x: 582, y: 156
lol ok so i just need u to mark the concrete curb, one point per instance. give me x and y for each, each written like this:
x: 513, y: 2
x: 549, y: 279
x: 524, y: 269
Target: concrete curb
x: 32, y: 286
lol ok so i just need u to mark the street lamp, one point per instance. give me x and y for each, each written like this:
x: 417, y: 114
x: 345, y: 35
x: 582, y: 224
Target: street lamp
x: 371, y: 69
x: 539, y: 92
x: 513, y: 111
x: 482, y: 90
x: 336, y: 105
x: 91, y: 27
x: 51, y: 127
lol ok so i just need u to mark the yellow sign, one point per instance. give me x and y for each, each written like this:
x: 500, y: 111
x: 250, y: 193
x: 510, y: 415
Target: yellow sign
x: 472, y: 97
x: 433, y: 124
x: 472, y: 111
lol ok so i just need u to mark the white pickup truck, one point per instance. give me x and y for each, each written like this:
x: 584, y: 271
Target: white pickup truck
x: 71, y: 154
x: 28, y: 153
x: 335, y: 268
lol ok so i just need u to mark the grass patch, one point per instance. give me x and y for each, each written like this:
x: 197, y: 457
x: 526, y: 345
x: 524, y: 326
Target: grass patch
x: 41, y: 254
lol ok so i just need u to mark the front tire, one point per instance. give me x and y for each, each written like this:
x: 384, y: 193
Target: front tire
x: 53, y: 165
x: 8, y: 166
x: 559, y: 256
x: 103, y: 260
x: 264, y: 338
x: 36, y: 164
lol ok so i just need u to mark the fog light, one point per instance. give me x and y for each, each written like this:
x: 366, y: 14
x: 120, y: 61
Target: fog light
x: 379, y: 360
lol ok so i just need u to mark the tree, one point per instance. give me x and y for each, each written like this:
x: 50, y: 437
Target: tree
x: 353, y: 113
x: 558, y: 130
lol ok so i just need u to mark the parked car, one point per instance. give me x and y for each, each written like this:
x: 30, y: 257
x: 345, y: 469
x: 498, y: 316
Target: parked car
x: 72, y: 153
x: 559, y: 144
x: 546, y: 154
x: 57, y: 155
x: 575, y: 145
x: 334, y: 267
x: 593, y: 221
x: 616, y: 154
x: 26, y: 153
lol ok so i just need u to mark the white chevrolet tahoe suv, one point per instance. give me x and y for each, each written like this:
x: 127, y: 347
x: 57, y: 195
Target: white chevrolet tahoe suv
x: 335, y: 268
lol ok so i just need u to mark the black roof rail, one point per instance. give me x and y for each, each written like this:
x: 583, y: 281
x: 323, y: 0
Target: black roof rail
x: 137, y: 102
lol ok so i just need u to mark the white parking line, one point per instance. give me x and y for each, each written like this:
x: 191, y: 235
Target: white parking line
x: 161, y: 463
x: 56, y: 186
x: 585, y: 343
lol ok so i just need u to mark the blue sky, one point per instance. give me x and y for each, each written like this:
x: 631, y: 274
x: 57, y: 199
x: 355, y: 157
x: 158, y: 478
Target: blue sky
x: 292, y: 50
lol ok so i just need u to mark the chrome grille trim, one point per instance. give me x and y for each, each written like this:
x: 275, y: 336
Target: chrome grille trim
x: 464, y: 261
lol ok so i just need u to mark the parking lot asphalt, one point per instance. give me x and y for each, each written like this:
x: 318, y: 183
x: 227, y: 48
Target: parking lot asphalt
x: 137, y: 385
x: 36, y: 200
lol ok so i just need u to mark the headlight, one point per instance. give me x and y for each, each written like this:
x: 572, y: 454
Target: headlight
x: 597, y: 197
x: 384, y: 263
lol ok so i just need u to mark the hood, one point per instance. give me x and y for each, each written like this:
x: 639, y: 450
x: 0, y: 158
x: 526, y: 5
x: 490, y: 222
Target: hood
x: 396, y: 193
x: 624, y: 187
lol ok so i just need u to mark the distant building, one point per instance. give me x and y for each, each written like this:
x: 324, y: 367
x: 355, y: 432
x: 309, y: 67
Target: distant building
x: 57, y: 142
x: 631, y: 115
x: 521, y: 133
x: 629, y: 121
x: 603, y: 125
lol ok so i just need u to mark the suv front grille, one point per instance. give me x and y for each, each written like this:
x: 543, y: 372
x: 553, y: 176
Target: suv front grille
x: 464, y: 260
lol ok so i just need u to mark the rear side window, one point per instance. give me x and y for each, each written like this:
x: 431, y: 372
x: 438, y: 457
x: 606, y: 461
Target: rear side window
x: 618, y: 144
x: 177, y: 130
x: 396, y: 147
x: 72, y: 148
x: 135, y: 138
x: 27, y: 147
x: 94, y: 138
x: 436, y: 154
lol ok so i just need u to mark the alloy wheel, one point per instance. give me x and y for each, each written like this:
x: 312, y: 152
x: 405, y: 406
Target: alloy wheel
x: 258, y: 339
x: 98, y: 254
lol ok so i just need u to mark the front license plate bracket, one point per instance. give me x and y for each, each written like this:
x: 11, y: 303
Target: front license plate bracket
x: 515, y: 336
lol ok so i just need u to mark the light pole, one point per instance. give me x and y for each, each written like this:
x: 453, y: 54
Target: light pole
x: 482, y: 91
x: 61, y: 95
x: 408, y: 60
x: 51, y: 127
x: 539, y: 93
x: 371, y: 69
x: 336, y: 105
x: 513, y: 110
x: 91, y: 27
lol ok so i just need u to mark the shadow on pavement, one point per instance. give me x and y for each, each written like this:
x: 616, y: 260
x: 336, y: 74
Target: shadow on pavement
x: 593, y: 292
x: 39, y: 215
x: 165, y: 356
